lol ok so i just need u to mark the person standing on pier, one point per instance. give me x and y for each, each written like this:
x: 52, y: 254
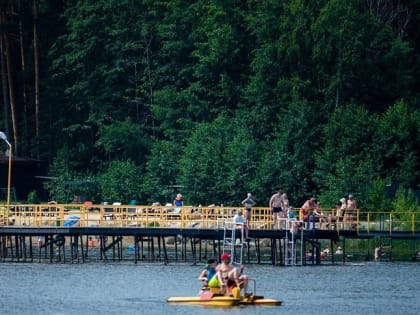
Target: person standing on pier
x: 285, y: 204
x: 248, y: 203
x: 351, y: 209
x: 343, y: 206
x: 307, y: 209
x: 275, y: 204
x: 178, y: 202
x: 351, y: 203
x: 343, y: 210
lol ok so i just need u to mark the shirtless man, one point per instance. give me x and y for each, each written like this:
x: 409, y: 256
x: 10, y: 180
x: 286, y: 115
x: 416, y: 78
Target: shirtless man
x: 285, y: 201
x: 275, y: 204
x: 319, y: 215
x: 229, y: 275
x: 351, y: 209
x: 307, y: 208
x: 351, y: 203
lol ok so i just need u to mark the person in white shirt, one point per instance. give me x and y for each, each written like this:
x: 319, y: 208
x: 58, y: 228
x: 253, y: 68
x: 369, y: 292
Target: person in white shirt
x: 239, y: 220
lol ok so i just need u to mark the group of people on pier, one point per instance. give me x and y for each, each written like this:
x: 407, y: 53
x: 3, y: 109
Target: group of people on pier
x: 311, y: 210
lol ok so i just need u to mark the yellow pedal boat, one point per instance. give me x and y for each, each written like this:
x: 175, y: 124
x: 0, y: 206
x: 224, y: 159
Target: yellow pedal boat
x: 213, y: 301
x: 224, y: 301
x: 211, y: 296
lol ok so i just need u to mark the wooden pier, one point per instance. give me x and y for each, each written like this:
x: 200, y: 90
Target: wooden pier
x: 84, y: 233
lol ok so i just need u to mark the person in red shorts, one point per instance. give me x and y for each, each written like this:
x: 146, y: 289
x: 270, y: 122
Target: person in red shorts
x: 230, y: 276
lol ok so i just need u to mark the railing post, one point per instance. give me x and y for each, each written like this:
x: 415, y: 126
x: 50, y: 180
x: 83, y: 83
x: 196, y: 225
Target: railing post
x: 101, y: 215
x: 412, y: 223
x: 390, y: 223
x: 357, y: 221
x: 61, y: 222
x: 368, y: 222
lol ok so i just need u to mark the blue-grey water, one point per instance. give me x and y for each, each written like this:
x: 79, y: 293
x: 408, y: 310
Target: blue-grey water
x: 372, y: 288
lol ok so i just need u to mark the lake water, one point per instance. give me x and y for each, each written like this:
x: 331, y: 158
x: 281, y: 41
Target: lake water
x: 372, y: 288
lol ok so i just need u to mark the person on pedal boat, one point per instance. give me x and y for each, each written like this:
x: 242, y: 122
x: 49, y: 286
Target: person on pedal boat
x: 208, y: 272
x: 229, y: 276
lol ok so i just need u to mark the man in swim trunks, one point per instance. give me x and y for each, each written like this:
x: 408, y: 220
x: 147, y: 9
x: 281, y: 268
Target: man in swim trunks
x: 275, y: 204
x: 351, y: 210
x: 230, y: 276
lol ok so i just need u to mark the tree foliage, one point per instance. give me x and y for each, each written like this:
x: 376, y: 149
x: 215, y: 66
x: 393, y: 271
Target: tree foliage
x: 215, y: 99
x: 120, y: 182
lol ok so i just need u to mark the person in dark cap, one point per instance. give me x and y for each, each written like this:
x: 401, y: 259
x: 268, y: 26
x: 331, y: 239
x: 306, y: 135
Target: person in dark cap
x: 208, y: 272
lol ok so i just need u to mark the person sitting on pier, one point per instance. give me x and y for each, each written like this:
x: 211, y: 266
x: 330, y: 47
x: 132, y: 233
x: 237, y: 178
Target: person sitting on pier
x: 338, y: 217
x: 319, y: 215
x: 240, y: 223
x: 209, y: 272
x: 229, y: 276
x: 178, y: 202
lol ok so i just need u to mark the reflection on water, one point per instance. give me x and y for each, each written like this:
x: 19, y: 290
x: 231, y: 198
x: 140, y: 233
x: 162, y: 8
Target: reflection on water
x: 373, y: 288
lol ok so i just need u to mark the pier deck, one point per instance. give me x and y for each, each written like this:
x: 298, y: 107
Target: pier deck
x: 190, y: 234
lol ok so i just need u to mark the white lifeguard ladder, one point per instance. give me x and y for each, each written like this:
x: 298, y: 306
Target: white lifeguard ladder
x: 233, y: 239
x: 293, y: 253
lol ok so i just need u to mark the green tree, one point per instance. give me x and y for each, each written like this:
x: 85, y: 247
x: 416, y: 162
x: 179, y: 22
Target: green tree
x: 205, y: 62
x: 405, y: 206
x: 242, y: 155
x: 65, y: 183
x: 397, y: 138
x: 351, y: 47
x: 123, y: 140
x: 104, y: 64
x: 347, y: 163
x: 60, y: 171
x: 162, y: 171
x: 203, y: 168
x: 120, y: 182
x: 280, y: 63
x: 376, y: 196
x: 287, y: 161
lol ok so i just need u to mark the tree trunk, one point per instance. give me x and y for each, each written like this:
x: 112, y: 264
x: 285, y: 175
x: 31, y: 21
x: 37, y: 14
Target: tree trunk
x: 11, y: 93
x: 25, y: 96
x: 4, y: 82
x: 36, y: 69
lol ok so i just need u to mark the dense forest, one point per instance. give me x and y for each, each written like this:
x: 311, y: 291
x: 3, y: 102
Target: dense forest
x: 141, y: 99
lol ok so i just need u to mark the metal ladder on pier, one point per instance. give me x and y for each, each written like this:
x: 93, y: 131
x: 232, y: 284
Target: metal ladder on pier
x: 293, y: 254
x: 233, y: 239
x: 385, y: 248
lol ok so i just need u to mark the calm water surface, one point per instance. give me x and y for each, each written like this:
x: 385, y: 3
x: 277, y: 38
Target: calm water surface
x: 372, y: 288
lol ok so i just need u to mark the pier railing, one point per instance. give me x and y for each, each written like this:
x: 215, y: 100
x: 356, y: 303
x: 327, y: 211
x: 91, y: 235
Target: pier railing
x: 87, y: 215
